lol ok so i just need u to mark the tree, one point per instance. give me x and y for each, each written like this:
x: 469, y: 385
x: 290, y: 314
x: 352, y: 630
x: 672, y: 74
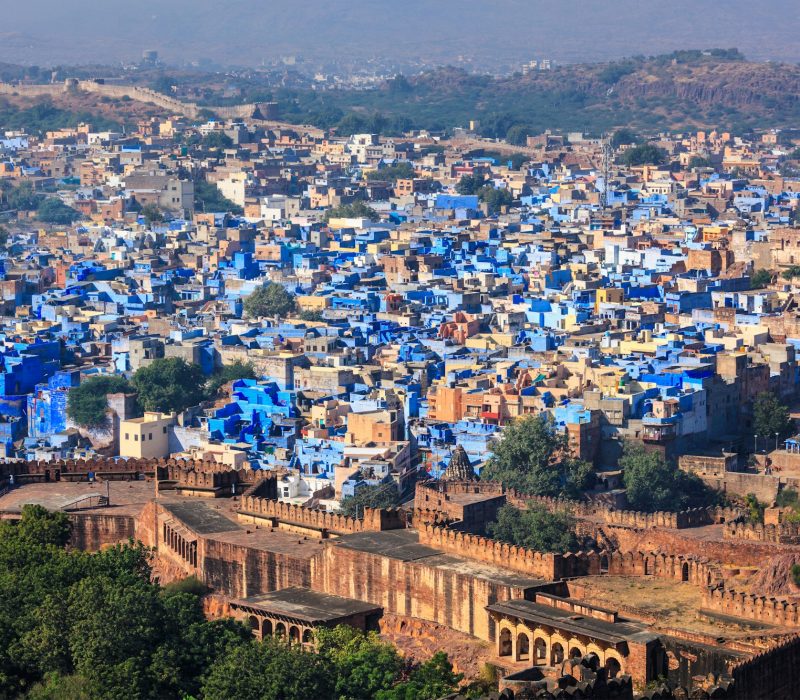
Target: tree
x: 534, y: 459
x: 378, y: 496
x: 270, y: 670
x: 310, y: 316
x: 653, y: 484
x: 393, y: 173
x: 364, y: 664
x: 699, y: 162
x: 208, y: 198
x: 230, y: 373
x: 644, y: 154
x: 355, y: 210
x: 151, y: 213
x: 495, y: 198
x: 518, y: 135
x: 87, y: 404
x: 217, y: 140
x: 535, y: 528
x: 270, y: 300
x: 429, y: 681
x: 53, y: 211
x: 3, y: 236
x: 624, y: 137
x: 770, y: 416
x: 23, y: 197
x: 169, y: 385
x: 760, y: 279
x: 470, y: 184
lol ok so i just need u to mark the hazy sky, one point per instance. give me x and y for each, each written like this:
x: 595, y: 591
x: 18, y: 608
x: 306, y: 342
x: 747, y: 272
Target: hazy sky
x: 250, y: 31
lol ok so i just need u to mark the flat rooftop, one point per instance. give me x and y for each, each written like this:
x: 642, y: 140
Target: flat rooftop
x: 307, y: 605
x: 568, y: 620
x: 126, y: 497
x: 200, y: 517
x: 405, y: 546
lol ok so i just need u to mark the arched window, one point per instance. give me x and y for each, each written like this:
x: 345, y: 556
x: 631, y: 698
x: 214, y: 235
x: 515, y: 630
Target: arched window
x: 556, y: 654
x: 540, y: 651
x: 575, y: 653
x: 308, y: 636
x: 523, y: 647
x: 266, y: 628
x: 505, y: 642
x: 613, y: 667
x: 294, y: 634
x: 280, y: 630
x: 254, y: 624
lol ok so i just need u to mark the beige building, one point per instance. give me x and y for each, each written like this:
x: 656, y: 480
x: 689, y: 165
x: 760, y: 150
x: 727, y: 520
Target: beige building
x: 146, y: 437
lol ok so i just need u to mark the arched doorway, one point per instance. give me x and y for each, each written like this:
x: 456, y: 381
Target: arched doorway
x: 255, y: 626
x: 280, y: 630
x: 556, y: 654
x: 613, y: 667
x: 685, y: 571
x: 294, y: 635
x: 540, y: 652
x: 308, y: 637
x: 505, y: 642
x: 604, y: 564
x: 575, y: 653
x: 523, y: 647
x: 648, y: 567
x: 266, y: 628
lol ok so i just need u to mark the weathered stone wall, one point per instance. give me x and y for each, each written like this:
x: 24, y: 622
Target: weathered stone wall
x: 771, y: 675
x: 448, y: 596
x: 785, y: 533
x: 778, y: 611
x: 544, y: 565
x: 374, y: 520
x: 92, y: 531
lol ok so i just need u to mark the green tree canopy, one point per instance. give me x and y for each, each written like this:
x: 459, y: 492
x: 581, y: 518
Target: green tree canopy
x: 653, y: 484
x: 429, y: 681
x: 495, y: 198
x: 760, y: 279
x: 533, y: 458
x: 169, y: 385
x: 355, y: 210
x: 217, y: 139
x: 392, y: 173
x: 230, y: 373
x: 23, y: 197
x: 208, y: 198
x: 53, y: 211
x: 470, y: 184
x: 535, y: 528
x: 699, y: 162
x: 151, y: 213
x: 270, y: 300
x: 270, y: 670
x: 624, y: 137
x: 87, y: 403
x: 770, y: 416
x: 378, y: 496
x: 644, y: 154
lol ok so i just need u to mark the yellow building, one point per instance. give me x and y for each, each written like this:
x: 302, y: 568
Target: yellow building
x: 146, y: 437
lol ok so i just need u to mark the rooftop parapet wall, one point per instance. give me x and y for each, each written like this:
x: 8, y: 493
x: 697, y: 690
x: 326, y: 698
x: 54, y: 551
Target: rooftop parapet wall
x: 785, y: 533
x: 777, y: 611
x: 429, y: 492
x: 374, y: 520
x: 701, y: 572
x: 543, y: 565
x: 774, y: 673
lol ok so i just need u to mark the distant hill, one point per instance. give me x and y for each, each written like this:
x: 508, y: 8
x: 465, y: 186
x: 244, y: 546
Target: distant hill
x: 479, y: 32
x: 683, y: 90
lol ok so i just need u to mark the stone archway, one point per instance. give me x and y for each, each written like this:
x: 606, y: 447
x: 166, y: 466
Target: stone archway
x: 280, y: 630
x: 604, y: 564
x: 539, y: 652
x: 556, y: 654
x: 255, y: 625
x: 613, y: 667
x: 308, y: 636
x: 685, y: 571
x: 266, y: 628
x: 575, y: 653
x: 523, y: 647
x: 294, y: 634
x: 504, y: 642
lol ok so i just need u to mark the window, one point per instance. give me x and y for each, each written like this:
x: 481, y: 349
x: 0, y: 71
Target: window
x: 127, y: 436
x: 135, y: 437
x: 164, y: 429
x: 150, y: 436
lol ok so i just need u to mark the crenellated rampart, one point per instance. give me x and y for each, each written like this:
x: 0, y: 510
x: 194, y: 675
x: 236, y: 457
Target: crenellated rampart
x: 777, y: 611
x: 253, y: 509
x: 784, y: 533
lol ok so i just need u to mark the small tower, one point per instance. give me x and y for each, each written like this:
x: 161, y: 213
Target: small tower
x: 459, y: 468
